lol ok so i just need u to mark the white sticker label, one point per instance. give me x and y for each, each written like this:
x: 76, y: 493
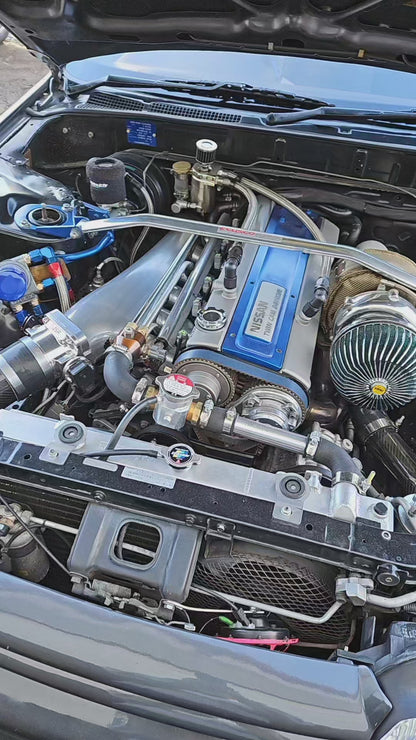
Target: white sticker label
x: 263, y: 318
x: 146, y: 476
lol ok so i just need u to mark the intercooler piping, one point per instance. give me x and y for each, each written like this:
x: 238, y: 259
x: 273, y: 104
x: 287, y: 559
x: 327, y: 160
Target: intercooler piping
x: 35, y: 362
x: 378, y: 433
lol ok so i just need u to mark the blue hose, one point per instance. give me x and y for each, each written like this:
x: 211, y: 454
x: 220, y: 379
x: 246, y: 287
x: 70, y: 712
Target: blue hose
x: 105, y: 242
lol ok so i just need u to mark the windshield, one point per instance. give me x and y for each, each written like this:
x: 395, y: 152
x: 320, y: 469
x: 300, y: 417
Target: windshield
x: 340, y: 83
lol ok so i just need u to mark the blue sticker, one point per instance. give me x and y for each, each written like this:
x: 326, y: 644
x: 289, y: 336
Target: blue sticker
x: 141, y: 132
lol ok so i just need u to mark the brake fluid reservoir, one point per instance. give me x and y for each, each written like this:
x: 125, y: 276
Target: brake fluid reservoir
x: 175, y: 397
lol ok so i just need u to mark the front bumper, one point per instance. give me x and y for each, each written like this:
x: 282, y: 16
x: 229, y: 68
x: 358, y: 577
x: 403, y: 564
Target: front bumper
x: 69, y: 668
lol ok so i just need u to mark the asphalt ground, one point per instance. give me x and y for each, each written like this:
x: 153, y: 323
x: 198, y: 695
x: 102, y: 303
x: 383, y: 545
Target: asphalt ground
x: 19, y: 70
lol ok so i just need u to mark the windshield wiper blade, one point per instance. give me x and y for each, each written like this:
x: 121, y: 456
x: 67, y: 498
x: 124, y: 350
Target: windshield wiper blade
x: 234, y: 92
x: 240, y: 92
x: 342, y: 114
x: 310, y: 108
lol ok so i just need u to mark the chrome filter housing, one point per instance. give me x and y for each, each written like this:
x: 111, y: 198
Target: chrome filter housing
x: 373, y: 353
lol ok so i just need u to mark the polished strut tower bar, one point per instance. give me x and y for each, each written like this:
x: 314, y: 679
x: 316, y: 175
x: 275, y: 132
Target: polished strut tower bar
x: 307, y: 246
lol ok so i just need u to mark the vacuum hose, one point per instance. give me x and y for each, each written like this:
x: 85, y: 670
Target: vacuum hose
x: 380, y: 436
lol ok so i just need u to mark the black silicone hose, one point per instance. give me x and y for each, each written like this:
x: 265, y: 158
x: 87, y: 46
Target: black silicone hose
x: 380, y: 436
x: 21, y: 374
x: 335, y: 458
x: 117, y: 376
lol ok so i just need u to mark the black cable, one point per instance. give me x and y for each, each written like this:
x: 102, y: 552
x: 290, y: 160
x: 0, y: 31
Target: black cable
x: 105, y: 453
x: 127, y: 418
x: 32, y: 534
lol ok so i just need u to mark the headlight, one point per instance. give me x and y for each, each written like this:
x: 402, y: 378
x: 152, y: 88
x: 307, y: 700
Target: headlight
x: 404, y: 730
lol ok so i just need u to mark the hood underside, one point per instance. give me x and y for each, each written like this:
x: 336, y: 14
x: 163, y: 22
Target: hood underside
x: 369, y: 31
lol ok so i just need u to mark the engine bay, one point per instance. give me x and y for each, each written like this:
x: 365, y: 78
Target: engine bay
x: 207, y: 392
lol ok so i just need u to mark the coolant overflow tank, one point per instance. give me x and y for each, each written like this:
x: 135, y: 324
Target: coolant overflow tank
x: 176, y: 395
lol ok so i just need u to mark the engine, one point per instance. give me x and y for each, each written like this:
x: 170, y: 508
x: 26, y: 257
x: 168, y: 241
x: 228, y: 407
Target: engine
x: 252, y: 326
x: 201, y: 374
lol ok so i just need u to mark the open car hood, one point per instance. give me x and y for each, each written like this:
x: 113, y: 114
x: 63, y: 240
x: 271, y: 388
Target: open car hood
x: 369, y: 31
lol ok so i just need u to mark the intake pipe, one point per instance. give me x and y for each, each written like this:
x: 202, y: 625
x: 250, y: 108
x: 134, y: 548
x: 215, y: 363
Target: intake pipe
x: 378, y: 433
x: 36, y: 361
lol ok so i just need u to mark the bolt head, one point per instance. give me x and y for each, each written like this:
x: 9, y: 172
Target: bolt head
x: 286, y: 511
x: 388, y: 576
x: 380, y: 508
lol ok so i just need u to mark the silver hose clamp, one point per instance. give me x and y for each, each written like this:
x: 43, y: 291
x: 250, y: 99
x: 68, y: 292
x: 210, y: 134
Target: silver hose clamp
x: 313, y: 442
x: 229, y: 420
x: 140, y: 390
x: 348, y: 477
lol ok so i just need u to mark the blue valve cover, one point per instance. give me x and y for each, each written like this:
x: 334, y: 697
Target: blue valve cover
x: 262, y: 322
x: 14, y: 282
